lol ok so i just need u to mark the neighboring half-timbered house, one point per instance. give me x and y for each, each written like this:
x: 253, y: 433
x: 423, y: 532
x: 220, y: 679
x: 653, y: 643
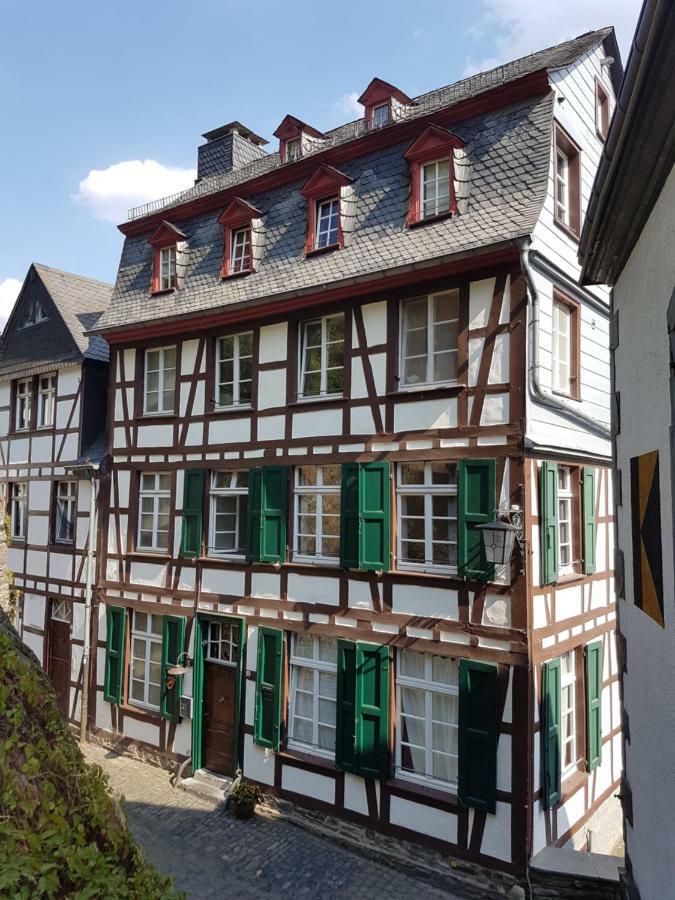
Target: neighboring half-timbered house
x: 330, y: 364
x: 53, y: 385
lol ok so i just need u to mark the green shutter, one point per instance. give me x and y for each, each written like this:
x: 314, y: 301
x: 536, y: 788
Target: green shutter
x: 374, y: 501
x: 588, y: 478
x: 476, y: 502
x: 116, y: 617
x: 268, y: 686
x: 593, y: 654
x: 372, y: 711
x: 346, y: 706
x: 197, y: 696
x: 549, y: 732
x: 193, y: 504
x: 548, y: 521
x: 253, y: 518
x: 478, y: 735
x: 349, y: 516
x: 173, y: 645
x: 266, y: 524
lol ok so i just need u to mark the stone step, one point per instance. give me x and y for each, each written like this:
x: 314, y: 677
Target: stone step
x: 219, y: 781
x: 202, y: 789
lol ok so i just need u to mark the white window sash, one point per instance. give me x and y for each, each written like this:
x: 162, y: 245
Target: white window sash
x: 441, y: 198
x: 162, y: 372
x: 236, y: 371
x: 327, y: 221
x: 318, y: 490
x: 237, y: 492
x: 568, y: 680
x: 19, y: 510
x: 65, y: 512
x: 46, y: 397
x: 323, y: 387
x: 148, y: 638
x: 167, y: 268
x: 240, y: 250
x: 156, y: 494
x: 428, y: 491
x: 562, y: 203
x: 430, y: 353
x: 24, y: 398
x: 317, y: 666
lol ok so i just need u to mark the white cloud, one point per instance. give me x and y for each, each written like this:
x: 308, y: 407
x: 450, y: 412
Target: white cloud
x: 9, y: 291
x: 110, y: 193
x: 524, y: 27
x: 349, y: 106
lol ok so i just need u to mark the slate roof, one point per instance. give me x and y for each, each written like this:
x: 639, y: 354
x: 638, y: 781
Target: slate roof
x: 507, y: 151
x: 79, y: 303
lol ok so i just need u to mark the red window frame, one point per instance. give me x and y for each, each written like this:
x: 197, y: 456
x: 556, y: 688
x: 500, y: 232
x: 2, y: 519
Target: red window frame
x: 434, y: 144
x: 325, y: 184
x: 166, y: 235
x: 380, y: 93
x: 239, y: 214
x: 292, y: 129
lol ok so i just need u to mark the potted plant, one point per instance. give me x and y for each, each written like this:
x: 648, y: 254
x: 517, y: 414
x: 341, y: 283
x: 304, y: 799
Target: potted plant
x: 243, y: 799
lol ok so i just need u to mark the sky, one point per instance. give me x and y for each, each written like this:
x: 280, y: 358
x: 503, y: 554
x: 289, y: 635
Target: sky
x: 103, y: 105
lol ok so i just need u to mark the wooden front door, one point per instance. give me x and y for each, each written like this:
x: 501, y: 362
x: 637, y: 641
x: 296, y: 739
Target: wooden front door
x: 220, y: 715
x: 59, y: 652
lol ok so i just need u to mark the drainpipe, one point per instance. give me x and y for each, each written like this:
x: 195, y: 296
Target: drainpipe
x: 536, y: 391
x: 86, y: 665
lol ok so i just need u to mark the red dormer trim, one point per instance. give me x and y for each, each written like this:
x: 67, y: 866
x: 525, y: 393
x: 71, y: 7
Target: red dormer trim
x: 239, y: 214
x: 165, y: 235
x: 434, y: 143
x: 325, y: 183
x: 379, y: 93
x: 292, y: 129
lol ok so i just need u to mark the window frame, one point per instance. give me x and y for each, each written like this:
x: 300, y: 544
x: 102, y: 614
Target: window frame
x: 27, y: 399
x: 236, y: 265
x: 427, y: 384
x: 317, y: 666
x: 428, y: 490
x: 18, y: 494
x: 570, y: 679
x: 236, y: 372
x: 160, y: 380
x: 35, y: 315
x: 319, y: 490
x: 157, y: 495
x: 50, y: 394
x: 70, y: 501
x: 373, y: 123
x: 438, y: 213
x: 602, y: 115
x: 171, y: 278
x: 335, y: 213
x: 236, y: 491
x: 322, y: 395
x: 149, y: 638
x: 573, y: 390
x: 233, y: 641
x: 564, y: 146
x: 567, y: 496
x: 429, y: 687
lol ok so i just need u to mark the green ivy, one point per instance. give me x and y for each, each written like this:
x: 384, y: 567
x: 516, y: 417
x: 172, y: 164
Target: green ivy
x: 62, y: 833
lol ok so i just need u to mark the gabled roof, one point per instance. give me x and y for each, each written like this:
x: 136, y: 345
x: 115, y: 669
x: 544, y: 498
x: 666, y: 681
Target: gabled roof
x: 379, y: 89
x: 73, y: 305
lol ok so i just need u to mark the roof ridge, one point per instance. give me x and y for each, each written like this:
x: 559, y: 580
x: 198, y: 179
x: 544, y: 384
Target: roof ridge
x: 42, y: 266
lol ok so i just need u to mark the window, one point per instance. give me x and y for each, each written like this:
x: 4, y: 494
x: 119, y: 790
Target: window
x: 145, y: 683
x: 167, y: 268
x: 317, y: 512
x: 293, y: 150
x: 240, y: 253
x: 567, y: 183
x: 313, y: 693
x: 429, y: 339
x: 66, y: 497
x: 380, y: 116
x: 322, y: 357
x: 601, y: 111
x: 435, y: 188
x: 327, y: 223
x: 427, y: 515
x: 222, y: 642
x: 229, y: 501
x: 24, y: 404
x: 34, y: 314
x: 233, y: 365
x: 565, y: 521
x: 565, y: 361
x: 62, y: 610
x: 19, y: 495
x: 160, y: 380
x: 46, y: 394
x: 568, y: 711
x: 155, y: 511
x: 427, y: 701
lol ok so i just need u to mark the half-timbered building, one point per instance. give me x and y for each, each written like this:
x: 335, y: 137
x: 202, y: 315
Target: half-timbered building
x: 329, y: 364
x: 53, y: 385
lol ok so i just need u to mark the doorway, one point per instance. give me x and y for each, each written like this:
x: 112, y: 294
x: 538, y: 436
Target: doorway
x: 58, y: 643
x: 221, y: 642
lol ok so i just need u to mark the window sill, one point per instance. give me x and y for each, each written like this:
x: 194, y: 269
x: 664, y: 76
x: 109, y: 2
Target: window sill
x: 221, y: 558
x: 159, y: 292
x: 321, y: 762
x: 426, y: 388
x: 225, y: 276
x: 413, y: 569
x: 325, y: 562
x: 155, y: 416
x: 62, y: 546
x: 567, y: 229
x: 150, y: 711
x: 319, y: 251
x: 231, y: 410
x: 149, y: 555
x: 570, y: 578
x: 335, y: 399
x: 412, y: 785
x: 440, y: 217
x: 565, y: 395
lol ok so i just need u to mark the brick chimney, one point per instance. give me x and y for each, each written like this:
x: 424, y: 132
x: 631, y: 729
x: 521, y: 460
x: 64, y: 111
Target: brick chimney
x: 228, y: 147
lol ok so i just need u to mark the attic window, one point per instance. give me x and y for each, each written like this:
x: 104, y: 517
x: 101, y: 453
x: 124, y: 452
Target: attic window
x: 296, y: 138
x: 601, y: 110
x: 167, y: 268
x: 383, y: 103
x: 381, y: 115
x: 293, y: 150
x: 324, y: 205
x: 238, y: 223
x: 567, y: 183
x: 167, y: 243
x: 432, y: 173
x: 35, y: 314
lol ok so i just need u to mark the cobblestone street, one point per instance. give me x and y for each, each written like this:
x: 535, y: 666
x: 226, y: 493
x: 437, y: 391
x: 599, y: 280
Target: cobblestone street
x: 211, y: 854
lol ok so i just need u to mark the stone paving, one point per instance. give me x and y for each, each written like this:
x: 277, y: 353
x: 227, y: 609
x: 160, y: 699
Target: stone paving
x: 211, y: 854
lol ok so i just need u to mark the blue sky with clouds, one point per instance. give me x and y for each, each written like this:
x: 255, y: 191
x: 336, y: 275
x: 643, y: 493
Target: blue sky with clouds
x: 104, y: 104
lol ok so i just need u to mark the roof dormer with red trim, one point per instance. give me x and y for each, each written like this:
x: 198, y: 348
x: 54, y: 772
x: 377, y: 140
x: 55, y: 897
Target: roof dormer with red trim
x: 384, y: 103
x: 169, y: 246
x: 329, y: 195
x: 437, y: 162
x: 242, y: 229
x: 297, y: 139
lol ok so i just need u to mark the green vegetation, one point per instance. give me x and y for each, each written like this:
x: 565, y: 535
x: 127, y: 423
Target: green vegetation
x: 62, y: 834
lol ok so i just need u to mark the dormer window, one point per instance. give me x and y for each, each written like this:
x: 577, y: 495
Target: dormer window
x: 383, y: 103
x: 381, y: 115
x: 324, y: 192
x: 296, y: 139
x: 167, y: 268
x: 239, y: 229
x: 168, y: 242
x: 432, y: 162
x: 293, y: 150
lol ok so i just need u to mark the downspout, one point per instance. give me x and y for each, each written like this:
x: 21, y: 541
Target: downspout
x: 84, y: 706
x: 536, y: 392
